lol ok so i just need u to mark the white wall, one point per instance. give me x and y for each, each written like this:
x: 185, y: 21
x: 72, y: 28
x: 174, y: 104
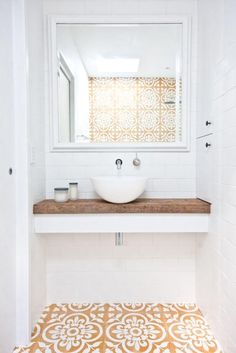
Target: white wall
x: 23, y: 65
x: 150, y: 267
x: 216, y: 253
x: 7, y: 187
x: 21, y: 117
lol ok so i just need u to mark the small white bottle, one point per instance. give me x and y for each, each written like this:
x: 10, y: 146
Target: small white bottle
x: 61, y: 194
x: 73, y: 191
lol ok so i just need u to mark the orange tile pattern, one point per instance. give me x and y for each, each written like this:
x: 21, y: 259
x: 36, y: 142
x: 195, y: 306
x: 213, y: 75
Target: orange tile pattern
x: 134, y: 109
x: 122, y: 328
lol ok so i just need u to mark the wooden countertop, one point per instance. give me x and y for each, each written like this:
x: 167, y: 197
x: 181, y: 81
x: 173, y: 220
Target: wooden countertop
x: 92, y: 206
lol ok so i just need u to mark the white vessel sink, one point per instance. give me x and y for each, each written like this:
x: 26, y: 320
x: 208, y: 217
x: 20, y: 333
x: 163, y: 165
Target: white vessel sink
x: 119, y: 189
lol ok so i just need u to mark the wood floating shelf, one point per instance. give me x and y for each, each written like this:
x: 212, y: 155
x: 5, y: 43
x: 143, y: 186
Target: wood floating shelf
x: 141, y: 216
x: 95, y: 206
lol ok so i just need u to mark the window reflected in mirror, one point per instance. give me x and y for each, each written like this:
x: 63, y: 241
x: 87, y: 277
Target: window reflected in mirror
x: 119, y: 83
x: 66, y: 117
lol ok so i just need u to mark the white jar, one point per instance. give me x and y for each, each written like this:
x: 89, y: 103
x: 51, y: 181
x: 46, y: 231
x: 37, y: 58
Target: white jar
x: 61, y: 194
x: 73, y: 191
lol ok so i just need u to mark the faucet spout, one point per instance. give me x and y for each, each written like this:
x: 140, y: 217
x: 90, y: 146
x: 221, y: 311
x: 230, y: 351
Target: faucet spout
x: 119, y: 163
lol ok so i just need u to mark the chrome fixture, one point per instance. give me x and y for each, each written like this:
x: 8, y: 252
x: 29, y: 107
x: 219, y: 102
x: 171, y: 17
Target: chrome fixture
x: 119, y: 163
x: 119, y: 239
x: 136, y: 161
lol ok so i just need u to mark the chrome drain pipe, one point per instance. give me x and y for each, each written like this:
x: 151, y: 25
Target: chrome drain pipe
x: 119, y: 239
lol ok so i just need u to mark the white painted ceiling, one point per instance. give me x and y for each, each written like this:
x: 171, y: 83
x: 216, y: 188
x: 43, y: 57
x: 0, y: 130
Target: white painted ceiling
x: 158, y: 46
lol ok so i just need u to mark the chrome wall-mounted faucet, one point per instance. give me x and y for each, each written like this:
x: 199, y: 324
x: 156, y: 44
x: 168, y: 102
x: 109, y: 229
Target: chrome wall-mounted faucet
x: 119, y: 163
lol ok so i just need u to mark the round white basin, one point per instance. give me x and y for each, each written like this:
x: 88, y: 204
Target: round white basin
x: 119, y: 189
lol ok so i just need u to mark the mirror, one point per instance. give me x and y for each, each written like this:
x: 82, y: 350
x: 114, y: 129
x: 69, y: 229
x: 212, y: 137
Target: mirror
x: 120, y: 85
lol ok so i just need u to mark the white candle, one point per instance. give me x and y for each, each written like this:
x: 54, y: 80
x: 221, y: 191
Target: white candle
x: 61, y: 194
x: 73, y: 191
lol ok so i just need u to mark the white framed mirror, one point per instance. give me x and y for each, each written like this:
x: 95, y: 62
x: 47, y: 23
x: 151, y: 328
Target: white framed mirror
x: 119, y: 86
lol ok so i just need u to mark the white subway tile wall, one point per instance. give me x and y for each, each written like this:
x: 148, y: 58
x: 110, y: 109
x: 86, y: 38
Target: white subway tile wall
x: 169, y: 174
x: 148, y: 267
x: 216, y: 253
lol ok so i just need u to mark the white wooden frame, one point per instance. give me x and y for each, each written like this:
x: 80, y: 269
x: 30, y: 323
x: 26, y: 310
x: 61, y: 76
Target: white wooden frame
x: 54, y: 146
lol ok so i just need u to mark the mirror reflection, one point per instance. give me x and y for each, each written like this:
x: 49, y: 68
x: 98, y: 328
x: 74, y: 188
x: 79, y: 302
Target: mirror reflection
x: 119, y: 85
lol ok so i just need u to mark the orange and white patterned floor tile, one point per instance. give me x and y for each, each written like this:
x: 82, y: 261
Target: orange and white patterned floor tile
x: 122, y: 328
